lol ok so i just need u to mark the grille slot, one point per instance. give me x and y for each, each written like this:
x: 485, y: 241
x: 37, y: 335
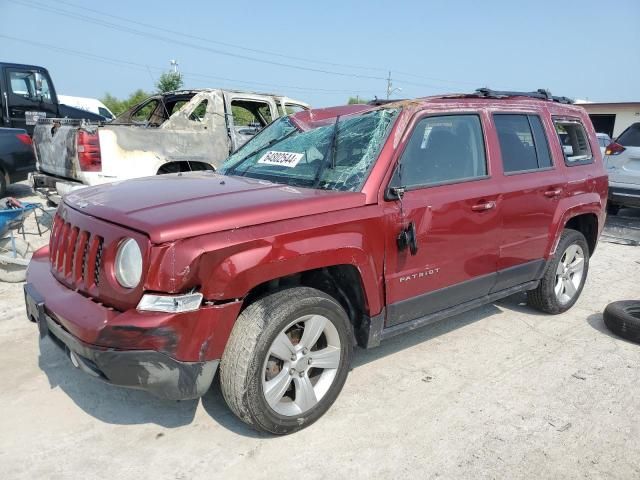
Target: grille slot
x: 75, y: 255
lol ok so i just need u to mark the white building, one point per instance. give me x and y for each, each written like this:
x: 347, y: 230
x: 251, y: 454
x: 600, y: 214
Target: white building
x: 612, y: 118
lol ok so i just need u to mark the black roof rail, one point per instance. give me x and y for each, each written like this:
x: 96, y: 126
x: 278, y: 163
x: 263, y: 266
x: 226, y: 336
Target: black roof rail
x: 540, y: 94
x: 380, y: 101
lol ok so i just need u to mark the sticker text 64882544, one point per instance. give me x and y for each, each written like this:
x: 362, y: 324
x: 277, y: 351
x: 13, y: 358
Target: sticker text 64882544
x: 283, y: 159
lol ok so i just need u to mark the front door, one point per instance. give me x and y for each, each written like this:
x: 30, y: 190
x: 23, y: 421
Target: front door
x: 29, y: 97
x: 452, y: 203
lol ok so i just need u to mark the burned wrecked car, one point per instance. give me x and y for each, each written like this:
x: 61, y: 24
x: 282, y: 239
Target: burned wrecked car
x: 178, y: 131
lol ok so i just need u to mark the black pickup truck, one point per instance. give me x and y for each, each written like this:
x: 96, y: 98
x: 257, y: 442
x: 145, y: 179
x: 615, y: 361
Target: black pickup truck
x: 27, y: 94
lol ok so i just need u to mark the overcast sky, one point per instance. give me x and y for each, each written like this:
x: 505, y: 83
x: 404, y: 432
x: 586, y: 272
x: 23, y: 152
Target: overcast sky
x: 325, y: 51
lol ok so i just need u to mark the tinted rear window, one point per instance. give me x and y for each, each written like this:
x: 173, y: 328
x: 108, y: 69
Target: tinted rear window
x: 631, y: 136
x: 523, y: 143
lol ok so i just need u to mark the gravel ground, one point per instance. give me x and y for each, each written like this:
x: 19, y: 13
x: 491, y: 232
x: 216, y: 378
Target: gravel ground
x: 499, y: 392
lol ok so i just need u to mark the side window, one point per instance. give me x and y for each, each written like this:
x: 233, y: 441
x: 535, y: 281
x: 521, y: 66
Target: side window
x: 540, y: 142
x: 143, y: 113
x: 199, y: 112
x: 294, y: 108
x: 574, y: 141
x: 248, y: 113
x: 443, y: 149
x: 176, y: 106
x: 523, y: 143
x: 105, y: 113
x: 24, y: 84
x: 265, y: 112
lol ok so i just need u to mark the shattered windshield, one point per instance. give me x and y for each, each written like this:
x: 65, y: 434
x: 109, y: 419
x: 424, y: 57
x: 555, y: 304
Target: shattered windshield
x: 336, y: 155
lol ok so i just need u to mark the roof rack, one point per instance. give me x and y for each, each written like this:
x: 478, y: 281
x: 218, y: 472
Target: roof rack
x: 380, y: 101
x: 540, y: 94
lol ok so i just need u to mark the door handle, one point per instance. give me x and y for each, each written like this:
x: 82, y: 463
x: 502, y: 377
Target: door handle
x: 553, y: 193
x: 483, y: 207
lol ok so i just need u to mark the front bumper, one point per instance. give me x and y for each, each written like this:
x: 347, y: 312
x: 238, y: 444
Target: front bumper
x: 147, y: 370
x: 625, y: 196
x: 173, y: 356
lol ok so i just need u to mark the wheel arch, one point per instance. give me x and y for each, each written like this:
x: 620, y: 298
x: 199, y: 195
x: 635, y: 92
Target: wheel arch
x: 587, y: 224
x: 587, y: 218
x: 343, y: 282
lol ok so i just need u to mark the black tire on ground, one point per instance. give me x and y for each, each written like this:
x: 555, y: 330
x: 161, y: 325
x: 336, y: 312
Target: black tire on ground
x: 543, y: 297
x: 241, y: 367
x: 623, y: 319
x: 612, y: 208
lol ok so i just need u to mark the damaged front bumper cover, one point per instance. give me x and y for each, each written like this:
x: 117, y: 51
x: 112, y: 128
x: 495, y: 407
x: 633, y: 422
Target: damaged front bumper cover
x: 147, y: 370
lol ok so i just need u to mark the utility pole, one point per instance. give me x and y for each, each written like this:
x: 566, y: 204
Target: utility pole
x: 390, y: 88
x: 174, y: 64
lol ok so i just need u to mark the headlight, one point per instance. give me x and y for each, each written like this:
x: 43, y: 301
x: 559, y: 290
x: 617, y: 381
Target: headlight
x: 128, y: 267
x: 170, y: 303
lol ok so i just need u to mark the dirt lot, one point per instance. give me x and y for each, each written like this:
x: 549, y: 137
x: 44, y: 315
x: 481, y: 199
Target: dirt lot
x: 499, y: 392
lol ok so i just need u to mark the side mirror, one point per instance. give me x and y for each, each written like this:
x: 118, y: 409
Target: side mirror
x: 394, y: 193
x: 38, y: 83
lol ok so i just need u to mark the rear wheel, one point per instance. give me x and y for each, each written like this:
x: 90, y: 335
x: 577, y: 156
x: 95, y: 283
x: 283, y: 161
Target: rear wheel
x: 287, y: 360
x: 564, y: 275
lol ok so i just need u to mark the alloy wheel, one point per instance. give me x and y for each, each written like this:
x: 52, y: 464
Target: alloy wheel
x: 569, y: 273
x: 301, y: 365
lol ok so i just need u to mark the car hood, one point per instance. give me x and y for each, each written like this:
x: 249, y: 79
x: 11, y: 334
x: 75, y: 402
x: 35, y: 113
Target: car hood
x: 170, y: 207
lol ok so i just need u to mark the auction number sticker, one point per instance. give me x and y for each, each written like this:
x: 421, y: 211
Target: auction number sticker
x: 283, y: 159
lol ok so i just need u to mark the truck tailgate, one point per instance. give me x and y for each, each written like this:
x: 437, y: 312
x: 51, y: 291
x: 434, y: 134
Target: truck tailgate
x: 55, y: 145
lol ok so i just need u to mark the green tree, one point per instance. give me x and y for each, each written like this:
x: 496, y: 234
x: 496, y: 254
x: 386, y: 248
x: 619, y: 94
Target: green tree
x: 356, y: 100
x: 169, y: 81
x: 119, y: 106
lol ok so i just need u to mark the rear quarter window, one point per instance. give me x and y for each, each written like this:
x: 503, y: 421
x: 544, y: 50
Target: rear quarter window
x: 574, y: 142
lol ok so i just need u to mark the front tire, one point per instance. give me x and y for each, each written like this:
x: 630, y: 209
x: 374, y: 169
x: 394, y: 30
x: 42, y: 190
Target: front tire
x: 564, y: 276
x: 286, y: 360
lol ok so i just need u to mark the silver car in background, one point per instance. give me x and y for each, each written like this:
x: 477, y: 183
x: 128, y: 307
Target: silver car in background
x: 622, y: 161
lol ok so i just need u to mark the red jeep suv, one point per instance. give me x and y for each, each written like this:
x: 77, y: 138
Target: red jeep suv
x: 331, y: 228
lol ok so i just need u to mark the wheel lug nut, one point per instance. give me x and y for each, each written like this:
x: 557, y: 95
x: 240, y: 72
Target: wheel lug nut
x: 305, y: 351
x: 293, y: 358
x: 309, y: 361
x: 301, y: 374
x: 292, y: 371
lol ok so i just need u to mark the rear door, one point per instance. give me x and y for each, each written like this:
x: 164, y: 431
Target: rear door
x: 532, y: 186
x: 249, y: 114
x: 625, y: 166
x: 30, y: 95
x: 452, y: 202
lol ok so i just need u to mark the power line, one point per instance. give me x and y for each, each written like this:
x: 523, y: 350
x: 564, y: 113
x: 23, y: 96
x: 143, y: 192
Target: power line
x: 217, y: 42
x: 138, y: 66
x: 104, y: 23
x: 65, y: 13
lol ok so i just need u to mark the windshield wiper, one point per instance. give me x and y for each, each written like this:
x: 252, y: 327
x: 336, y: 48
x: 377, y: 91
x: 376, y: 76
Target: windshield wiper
x: 329, y: 155
x: 271, y: 143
